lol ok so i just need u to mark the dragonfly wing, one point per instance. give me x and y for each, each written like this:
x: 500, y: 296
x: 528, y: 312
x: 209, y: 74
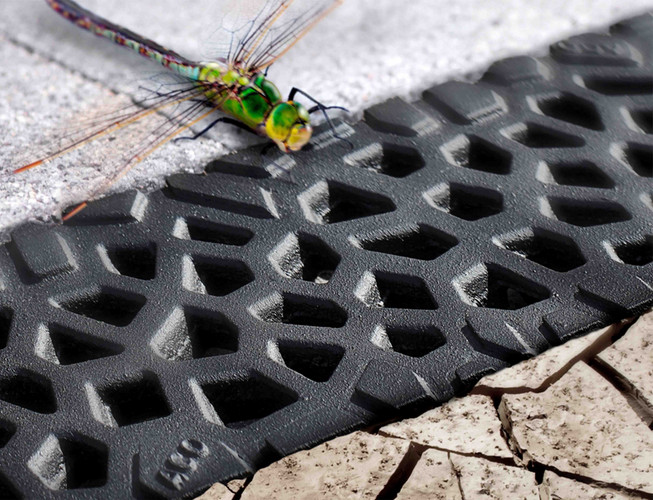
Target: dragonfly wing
x: 255, y: 33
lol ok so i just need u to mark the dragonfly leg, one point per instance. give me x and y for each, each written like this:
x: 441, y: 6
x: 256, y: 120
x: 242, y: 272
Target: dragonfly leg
x: 223, y: 119
x: 321, y: 107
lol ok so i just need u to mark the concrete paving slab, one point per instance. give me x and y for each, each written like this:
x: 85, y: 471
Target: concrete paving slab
x: 555, y: 487
x: 432, y: 479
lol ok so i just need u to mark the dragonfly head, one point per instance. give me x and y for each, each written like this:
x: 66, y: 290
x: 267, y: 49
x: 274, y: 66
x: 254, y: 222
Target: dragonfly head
x: 289, y: 126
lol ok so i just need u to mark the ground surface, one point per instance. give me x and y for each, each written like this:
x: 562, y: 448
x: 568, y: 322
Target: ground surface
x: 572, y: 423
x: 367, y: 51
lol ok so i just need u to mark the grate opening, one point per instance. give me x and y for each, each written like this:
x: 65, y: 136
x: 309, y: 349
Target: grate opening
x: 465, y: 202
x: 582, y: 173
x: 620, y: 86
x: 67, y: 347
x: 389, y: 159
x: 493, y: 287
x: 304, y: 257
x: 7, y: 431
x: 317, y: 362
x: 185, y: 195
x: 413, y: 341
x: 636, y: 253
x: 572, y: 109
x: 395, y: 291
x: 299, y: 310
x: 212, y: 232
x: 221, y: 277
x: 587, y: 213
x: 240, y: 403
x: 30, y: 391
x: 195, y: 333
x: 640, y: 158
x: 537, y: 136
x: 6, y: 319
x: 136, y: 401
x: 478, y: 154
x: 417, y: 242
x: 237, y: 169
x: 106, y: 305
x: 548, y: 249
x: 643, y: 118
x: 70, y: 463
x: 330, y: 202
x: 135, y: 262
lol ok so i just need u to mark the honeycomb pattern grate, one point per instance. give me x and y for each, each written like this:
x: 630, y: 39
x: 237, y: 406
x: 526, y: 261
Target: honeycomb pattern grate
x: 194, y: 334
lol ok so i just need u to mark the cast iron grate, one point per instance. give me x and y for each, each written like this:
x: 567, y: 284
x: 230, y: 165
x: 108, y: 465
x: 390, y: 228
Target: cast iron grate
x: 196, y: 333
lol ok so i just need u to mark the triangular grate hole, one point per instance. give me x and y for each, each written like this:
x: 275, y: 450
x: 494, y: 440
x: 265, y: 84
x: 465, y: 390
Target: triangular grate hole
x: 30, y: 391
x: 316, y: 362
x: 419, y: 242
x: 493, y: 287
x: 572, y: 109
x: 537, y: 136
x: 551, y: 250
x: 330, y: 202
x: 72, y: 347
x: 136, y: 262
x: 478, y: 154
x: 240, y: 403
x: 222, y: 277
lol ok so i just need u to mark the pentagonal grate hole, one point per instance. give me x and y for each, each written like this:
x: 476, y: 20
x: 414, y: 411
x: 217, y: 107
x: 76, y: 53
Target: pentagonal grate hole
x: 63, y: 346
x: 106, y: 305
x: 572, y: 109
x: 537, y: 136
x: 217, y: 277
x: 299, y: 310
x: 330, y: 202
x: 478, y: 154
x: 620, y: 86
x: 69, y: 463
x: 395, y: 291
x: 551, y: 250
x: 582, y: 173
x: 639, y: 157
x: 493, y: 287
x: 136, y: 262
x: 416, y: 242
x: 6, y: 317
x: 587, y: 213
x: 30, y: 391
x: 317, y: 362
x: 388, y: 159
x: 136, y: 401
x: 409, y: 340
x: 240, y: 403
x: 7, y: 430
x: 195, y: 333
x: 643, y: 118
x: 465, y: 202
x: 635, y: 253
x: 304, y: 257
x: 212, y: 232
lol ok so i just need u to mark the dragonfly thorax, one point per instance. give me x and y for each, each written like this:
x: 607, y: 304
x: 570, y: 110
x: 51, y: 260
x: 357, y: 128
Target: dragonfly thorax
x: 255, y: 101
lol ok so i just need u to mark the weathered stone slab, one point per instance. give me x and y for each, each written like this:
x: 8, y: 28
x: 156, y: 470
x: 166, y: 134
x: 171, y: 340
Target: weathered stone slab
x: 481, y: 479
x: 432, y: 479
x: 217, y: 492
x: 467, y: 425
x: 555, y: 487
x: 541, y: 370
x: 631, y: 357
x: 355, y: 466
x: 582, y: 425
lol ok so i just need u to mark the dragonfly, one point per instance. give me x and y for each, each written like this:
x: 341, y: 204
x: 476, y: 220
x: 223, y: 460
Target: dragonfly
x: 233, y: 83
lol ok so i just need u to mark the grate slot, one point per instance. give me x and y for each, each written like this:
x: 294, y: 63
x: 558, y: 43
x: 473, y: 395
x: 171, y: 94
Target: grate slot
x: 465, y: 202
x: 478, y: 154
x: 212, y: 232
x: 304, y: 257
x: 538, y: 136
x: 105, y: 305
x: 620, y: 86
x: 317, y: 362
x: 587, y: 213
x: 572, y: 109
x: 135, y: 262
x: 30, y: 391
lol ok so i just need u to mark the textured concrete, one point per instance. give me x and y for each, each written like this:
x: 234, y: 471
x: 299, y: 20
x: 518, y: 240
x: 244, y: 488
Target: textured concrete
x: 365, y: 52
x: 432, y: 479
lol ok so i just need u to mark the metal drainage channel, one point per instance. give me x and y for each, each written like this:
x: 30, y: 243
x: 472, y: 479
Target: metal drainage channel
x: 162, y: 342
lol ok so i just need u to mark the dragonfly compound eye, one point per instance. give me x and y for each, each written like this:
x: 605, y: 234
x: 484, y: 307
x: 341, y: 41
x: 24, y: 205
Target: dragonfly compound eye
x: 299, y: 136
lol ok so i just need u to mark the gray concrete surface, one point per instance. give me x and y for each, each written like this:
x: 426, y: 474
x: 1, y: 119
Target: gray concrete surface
x: 364, y: 52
